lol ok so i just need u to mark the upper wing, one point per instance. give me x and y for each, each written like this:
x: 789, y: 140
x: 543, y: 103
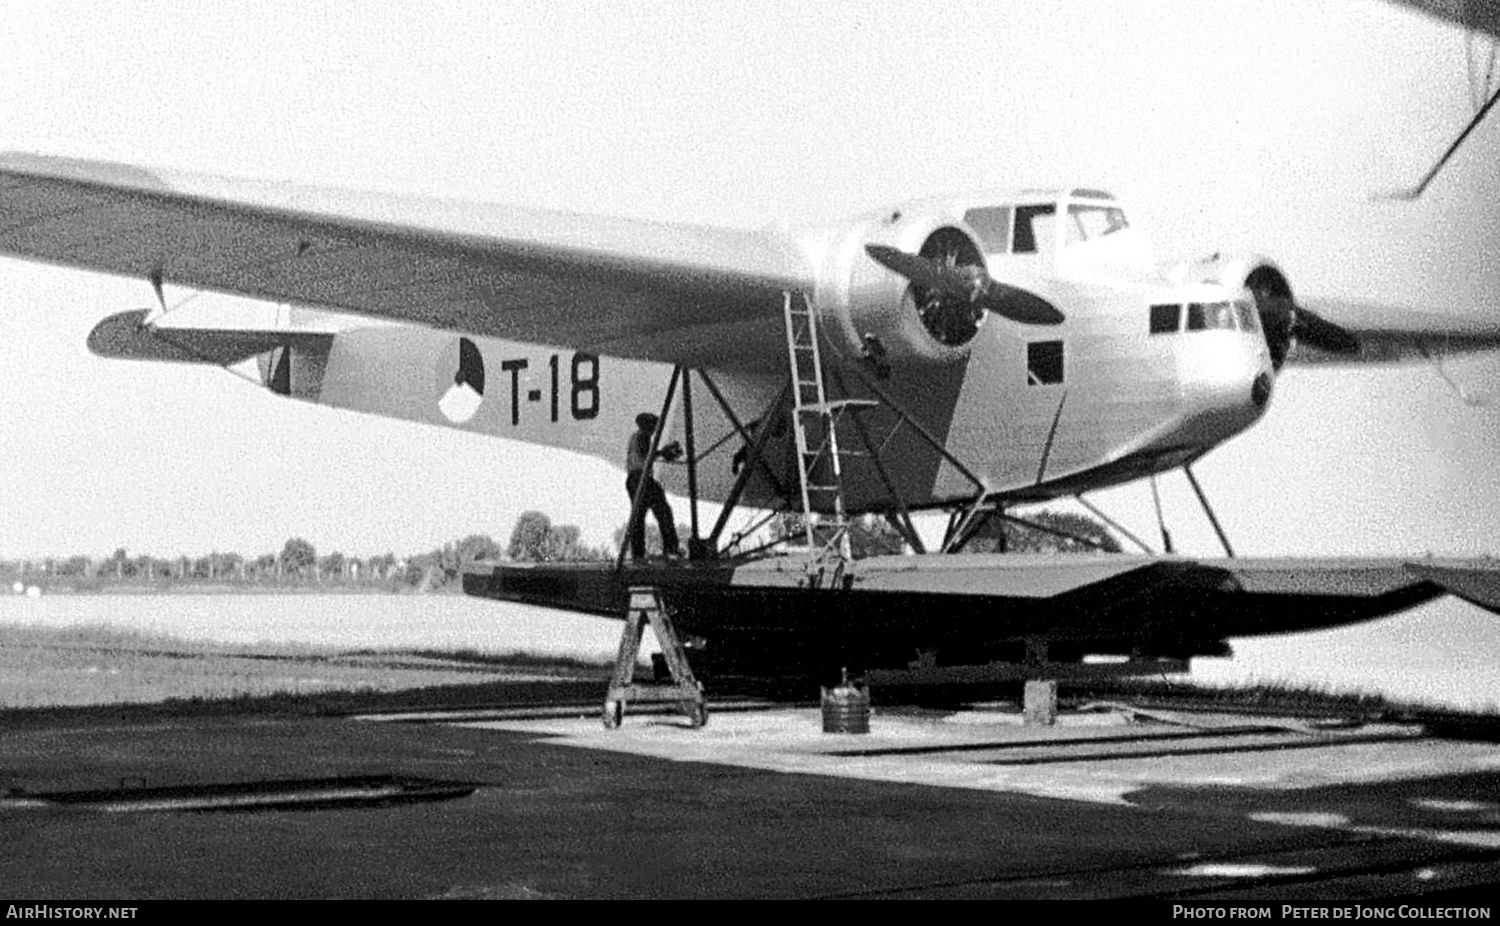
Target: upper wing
x: 647, y: 290
x: 1389, y: 335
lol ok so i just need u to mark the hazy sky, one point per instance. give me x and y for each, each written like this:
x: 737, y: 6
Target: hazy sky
x: 1256, y: 126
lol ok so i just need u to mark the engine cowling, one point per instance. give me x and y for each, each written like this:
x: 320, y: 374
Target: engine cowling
x: 881, y: 313
x: 1282, y: 320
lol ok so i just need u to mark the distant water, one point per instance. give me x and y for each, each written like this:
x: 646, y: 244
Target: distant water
x: 1444, y: 653
x: 346, y: 621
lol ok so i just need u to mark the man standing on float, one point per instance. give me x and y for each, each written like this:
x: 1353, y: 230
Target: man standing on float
x: 636, y: 472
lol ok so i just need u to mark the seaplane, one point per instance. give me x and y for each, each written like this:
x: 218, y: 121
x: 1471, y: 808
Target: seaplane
x: 962, y: 354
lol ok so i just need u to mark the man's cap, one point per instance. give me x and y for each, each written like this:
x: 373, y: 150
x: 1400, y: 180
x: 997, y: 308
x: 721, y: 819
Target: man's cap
x: 645, y: 420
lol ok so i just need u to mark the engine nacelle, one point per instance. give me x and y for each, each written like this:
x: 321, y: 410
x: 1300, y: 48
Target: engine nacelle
x: 867, y: 309
x: 1267, y: 285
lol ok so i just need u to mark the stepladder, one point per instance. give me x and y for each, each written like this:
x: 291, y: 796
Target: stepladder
x: 681, y: 688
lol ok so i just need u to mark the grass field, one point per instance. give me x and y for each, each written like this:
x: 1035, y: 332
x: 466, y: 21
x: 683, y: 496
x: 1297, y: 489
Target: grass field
x: 44, y: 666
x: 88, y: 667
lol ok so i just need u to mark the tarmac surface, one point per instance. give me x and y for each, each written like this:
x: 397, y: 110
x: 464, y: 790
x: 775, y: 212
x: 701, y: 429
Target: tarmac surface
x: 539, y: 801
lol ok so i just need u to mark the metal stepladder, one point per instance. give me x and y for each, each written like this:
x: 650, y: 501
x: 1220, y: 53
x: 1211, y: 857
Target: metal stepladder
x: 646, y: 608
x: 815, y: 423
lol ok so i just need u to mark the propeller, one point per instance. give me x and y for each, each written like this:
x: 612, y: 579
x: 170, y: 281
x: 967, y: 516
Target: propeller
x: 1323, y: 334
x: 1284, y: 322
x: 949, y: 282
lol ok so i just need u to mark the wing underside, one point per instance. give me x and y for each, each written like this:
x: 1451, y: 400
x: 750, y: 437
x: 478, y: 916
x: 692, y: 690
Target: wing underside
x: 646, y: 290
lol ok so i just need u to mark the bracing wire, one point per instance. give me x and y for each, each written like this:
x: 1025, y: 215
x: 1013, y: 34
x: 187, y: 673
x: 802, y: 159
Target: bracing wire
x: 158, y: 332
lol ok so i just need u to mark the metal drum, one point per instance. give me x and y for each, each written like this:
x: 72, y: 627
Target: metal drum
x: 846, y: 708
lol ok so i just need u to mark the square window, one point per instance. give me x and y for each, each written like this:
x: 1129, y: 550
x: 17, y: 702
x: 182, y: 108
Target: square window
x: 993, y: 227
x: 1044, y: 363
x: 1165, y: 318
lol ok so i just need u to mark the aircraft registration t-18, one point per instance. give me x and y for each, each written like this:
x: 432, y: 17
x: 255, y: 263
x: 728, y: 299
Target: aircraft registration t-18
x: 963, y: 353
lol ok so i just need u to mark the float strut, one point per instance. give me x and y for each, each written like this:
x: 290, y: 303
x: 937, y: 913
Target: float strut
x: 1203, y: 500
x: 1161, y: 522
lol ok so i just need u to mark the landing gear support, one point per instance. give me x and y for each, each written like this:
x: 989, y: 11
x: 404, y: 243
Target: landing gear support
x: 1161, y: 522
x: 1117, y: 526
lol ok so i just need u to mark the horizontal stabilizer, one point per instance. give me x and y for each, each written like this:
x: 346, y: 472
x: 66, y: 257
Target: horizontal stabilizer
x: 124, y: 337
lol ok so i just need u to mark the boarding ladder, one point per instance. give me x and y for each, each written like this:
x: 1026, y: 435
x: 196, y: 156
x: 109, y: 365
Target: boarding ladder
x: 815, y: 423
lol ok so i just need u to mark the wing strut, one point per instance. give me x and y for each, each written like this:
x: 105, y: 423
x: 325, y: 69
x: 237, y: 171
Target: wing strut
x: 1416, y: 191
x: 160, y: 311
x: 900, y: 517
x: 755, y: 437
x: 695, y: 541
x: 816, y: 416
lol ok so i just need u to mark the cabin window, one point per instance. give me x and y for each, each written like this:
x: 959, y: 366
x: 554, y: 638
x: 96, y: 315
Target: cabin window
x: 992, y: 225
x: 1035, y: 230
x: 1246, y: 311
x: 1204, y: 316
x: 1165, y: 318
x: 1044, y: 363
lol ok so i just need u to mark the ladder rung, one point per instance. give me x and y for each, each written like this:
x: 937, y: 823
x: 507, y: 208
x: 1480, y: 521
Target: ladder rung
x: 836, y: 405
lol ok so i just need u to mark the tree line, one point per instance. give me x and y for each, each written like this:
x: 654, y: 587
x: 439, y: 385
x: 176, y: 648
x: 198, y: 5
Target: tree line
x: 533, y: 538
x: 299, y: 564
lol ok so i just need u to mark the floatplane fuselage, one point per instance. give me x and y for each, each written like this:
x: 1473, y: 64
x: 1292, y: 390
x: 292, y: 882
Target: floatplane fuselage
x: 1143, y: 374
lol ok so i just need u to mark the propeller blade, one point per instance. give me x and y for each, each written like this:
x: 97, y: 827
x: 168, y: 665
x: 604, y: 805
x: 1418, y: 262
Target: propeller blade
x: 971, y: 284
x: 1313, y: 330
x: 1018, y: 305
x: 922, y: 272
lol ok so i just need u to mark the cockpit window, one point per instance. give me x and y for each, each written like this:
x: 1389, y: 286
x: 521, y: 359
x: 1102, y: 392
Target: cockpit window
x: 1035, y: 229
x: 1209, y: 315
x: 992, y: 225
x: 1248, y: 318
x: 1088, y: 222
x: 1165, y: 318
